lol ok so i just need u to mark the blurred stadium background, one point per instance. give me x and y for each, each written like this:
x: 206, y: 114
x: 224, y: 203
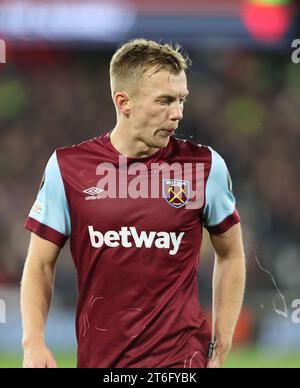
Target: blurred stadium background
x: 245, y: 98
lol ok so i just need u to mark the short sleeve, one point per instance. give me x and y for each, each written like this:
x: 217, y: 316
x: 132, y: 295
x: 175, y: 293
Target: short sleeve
x: 49, y: 217
x: 220, y: 212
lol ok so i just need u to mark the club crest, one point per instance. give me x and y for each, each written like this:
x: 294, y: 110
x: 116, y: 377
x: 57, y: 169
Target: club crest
x: 176, y: 192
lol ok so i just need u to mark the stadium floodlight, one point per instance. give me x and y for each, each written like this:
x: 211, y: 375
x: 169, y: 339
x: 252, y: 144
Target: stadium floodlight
x: 267, y: 20
x: 66, y: 21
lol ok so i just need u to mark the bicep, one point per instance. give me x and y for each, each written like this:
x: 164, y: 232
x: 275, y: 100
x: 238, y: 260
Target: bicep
x: 42, y: 252
x: 228, y: 243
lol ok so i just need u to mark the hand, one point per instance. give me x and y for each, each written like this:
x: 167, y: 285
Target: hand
x: 38, y: 356
x: 220, y: 354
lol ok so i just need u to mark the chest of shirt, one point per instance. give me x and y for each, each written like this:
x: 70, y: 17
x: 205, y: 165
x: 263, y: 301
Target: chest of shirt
x: 110, y: 198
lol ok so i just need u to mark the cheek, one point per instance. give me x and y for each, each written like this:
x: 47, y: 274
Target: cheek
x: 158, y: 113
x: 150, y: 114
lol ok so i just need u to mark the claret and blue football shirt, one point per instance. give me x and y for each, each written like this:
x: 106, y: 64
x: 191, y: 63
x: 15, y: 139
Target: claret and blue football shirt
x: 137, y: 256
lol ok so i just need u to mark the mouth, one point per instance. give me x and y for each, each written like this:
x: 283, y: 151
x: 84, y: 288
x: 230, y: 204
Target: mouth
x: 169, y: 131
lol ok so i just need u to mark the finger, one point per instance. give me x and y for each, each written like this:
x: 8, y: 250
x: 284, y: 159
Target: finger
x: 51, y: 364
x: 212, y: 364
x: 34, y: 365
x: 27, y: 364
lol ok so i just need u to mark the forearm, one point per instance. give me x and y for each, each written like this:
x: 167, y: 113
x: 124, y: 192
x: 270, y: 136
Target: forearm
x: 36, y: 295
x: 228, y: 294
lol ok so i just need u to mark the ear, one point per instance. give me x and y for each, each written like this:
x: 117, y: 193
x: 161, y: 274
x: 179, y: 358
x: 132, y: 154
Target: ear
x: 122, y: 101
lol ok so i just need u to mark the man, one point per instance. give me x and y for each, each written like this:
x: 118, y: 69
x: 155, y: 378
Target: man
x: 137, y: 256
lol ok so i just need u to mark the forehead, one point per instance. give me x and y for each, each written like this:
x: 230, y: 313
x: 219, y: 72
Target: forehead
x: 164, y: 82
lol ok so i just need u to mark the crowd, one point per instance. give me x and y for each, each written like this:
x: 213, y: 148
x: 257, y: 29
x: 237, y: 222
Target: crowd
x: 244, y: 104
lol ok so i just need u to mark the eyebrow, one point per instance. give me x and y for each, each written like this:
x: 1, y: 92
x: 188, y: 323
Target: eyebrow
x: 168, y: 96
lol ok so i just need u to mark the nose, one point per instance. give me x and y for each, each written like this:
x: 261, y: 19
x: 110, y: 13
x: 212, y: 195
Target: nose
x: 176, y: 113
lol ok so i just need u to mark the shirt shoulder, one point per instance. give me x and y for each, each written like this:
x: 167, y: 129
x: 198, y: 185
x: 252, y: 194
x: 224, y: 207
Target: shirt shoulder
x: 220, y: 209
x: 190, y: 150
x: 94, y: 145
x: 83, y: 155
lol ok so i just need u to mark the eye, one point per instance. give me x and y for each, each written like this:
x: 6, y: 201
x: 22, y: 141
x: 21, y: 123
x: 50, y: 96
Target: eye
x: 164, y: 102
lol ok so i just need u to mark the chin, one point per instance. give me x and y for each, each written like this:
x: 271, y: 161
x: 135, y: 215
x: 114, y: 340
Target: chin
x: 161, y: 143
x: 165, y: 142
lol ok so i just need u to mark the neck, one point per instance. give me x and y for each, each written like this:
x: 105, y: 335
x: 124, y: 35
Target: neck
x: 127, y: 144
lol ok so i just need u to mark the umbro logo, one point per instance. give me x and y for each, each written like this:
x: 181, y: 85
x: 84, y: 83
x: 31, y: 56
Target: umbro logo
x: 94, y: 193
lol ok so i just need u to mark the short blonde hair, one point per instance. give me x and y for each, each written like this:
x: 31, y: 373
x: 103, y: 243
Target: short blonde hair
x: 134, y: 58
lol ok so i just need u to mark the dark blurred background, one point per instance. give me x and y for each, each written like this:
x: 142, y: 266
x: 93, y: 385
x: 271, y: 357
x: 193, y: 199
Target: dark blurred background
x: 244, y: 102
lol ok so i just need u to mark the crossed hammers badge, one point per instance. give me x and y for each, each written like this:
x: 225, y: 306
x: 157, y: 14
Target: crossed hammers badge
x: 176, y: 192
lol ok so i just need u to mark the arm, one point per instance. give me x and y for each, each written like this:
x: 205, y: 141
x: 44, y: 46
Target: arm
x: 36, y: 295
x: 228, y: 290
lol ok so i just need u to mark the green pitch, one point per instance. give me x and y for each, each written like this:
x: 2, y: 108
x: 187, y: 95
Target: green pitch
x: 254, y: 358
x: 15, y: 361
x: 244, y: 358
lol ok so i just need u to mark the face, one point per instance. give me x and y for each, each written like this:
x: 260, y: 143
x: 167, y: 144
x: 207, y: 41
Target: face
x: 157, y: 107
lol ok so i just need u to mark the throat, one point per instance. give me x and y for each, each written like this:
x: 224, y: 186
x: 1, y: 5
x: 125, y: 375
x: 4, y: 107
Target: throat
x: 132, y: 148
